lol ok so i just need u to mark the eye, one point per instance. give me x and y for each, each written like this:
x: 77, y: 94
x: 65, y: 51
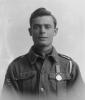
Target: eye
x: 35, y: 26
x: 47, y: 26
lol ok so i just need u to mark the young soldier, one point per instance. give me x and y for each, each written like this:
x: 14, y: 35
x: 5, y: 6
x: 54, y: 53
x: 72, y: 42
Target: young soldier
x: 42, y: 71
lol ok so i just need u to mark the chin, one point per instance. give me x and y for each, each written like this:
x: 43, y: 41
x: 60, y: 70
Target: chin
x: 43, y: 45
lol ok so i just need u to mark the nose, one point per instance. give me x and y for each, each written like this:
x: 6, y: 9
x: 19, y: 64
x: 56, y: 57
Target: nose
x: 42, y: 29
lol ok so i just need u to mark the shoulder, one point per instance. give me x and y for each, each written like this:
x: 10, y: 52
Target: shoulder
x: 64, y: 56
x: 17, y: 66
x: 18, y: 62
x: 19, y: 59
x: 71, y: 65
x: 68, y: 60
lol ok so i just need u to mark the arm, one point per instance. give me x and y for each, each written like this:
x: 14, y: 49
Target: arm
x: 10, y: 83
x: 76, y: 80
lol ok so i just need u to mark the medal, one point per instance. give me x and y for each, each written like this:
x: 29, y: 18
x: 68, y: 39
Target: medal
x: 58, y: 77
x: 58, y: 73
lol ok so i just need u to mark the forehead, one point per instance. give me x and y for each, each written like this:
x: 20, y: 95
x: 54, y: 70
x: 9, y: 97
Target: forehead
x: 43, y: 20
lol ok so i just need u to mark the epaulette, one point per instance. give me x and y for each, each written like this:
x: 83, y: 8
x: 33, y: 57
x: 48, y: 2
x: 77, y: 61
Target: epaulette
x: 64, y: 56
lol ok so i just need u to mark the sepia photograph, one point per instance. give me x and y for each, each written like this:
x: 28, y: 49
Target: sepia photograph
x: 42, y: 51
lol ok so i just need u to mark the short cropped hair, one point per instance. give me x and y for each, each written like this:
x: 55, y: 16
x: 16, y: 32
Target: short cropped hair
x: 42, y: 12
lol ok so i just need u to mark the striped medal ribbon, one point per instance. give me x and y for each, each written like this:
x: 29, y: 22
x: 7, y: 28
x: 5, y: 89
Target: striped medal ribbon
x: 58, y: 73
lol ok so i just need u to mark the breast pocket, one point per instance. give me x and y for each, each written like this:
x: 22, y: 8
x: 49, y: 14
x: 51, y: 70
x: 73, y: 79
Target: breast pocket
x: 28, y: 80
x: 56, y: 84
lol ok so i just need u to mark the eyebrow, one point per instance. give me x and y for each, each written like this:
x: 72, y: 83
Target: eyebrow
x: 42, y: 24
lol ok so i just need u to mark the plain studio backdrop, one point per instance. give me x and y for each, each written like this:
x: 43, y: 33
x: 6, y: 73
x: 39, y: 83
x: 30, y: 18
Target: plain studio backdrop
x: 14, y: 24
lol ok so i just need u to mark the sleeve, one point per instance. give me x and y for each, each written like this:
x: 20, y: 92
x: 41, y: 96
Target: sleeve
x: 10, y: 84
x: 76, y: 80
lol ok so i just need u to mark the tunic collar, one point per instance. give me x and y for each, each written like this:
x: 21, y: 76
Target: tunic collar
x: 34, y: 56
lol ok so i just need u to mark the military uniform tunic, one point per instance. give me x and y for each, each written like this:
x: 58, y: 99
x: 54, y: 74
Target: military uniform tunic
x: 37, y: 75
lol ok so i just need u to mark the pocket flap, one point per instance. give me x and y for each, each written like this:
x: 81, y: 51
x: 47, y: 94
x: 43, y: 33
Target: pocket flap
x: 64, y: 76
x: 26, y: 75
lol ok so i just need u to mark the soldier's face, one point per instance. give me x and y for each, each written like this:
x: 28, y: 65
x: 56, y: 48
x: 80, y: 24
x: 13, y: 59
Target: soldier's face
x: 42, y: 30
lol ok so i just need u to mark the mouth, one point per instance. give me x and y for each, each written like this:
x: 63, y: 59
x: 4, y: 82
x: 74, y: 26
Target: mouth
x: 42, y: 38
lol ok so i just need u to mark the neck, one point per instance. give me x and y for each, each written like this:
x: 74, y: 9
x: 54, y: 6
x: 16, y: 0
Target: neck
x: 43, y: 50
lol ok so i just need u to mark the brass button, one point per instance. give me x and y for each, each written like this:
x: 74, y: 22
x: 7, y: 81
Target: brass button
x: 42, y: 89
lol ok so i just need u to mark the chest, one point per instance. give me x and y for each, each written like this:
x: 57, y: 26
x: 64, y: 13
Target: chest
x: 44, y: 77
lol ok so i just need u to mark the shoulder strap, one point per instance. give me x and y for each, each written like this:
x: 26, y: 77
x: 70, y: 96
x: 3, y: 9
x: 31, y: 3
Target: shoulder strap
x: 64, y: 56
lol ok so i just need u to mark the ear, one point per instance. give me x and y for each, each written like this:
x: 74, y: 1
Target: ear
x: 55, y: 31
x: 30, y: 31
